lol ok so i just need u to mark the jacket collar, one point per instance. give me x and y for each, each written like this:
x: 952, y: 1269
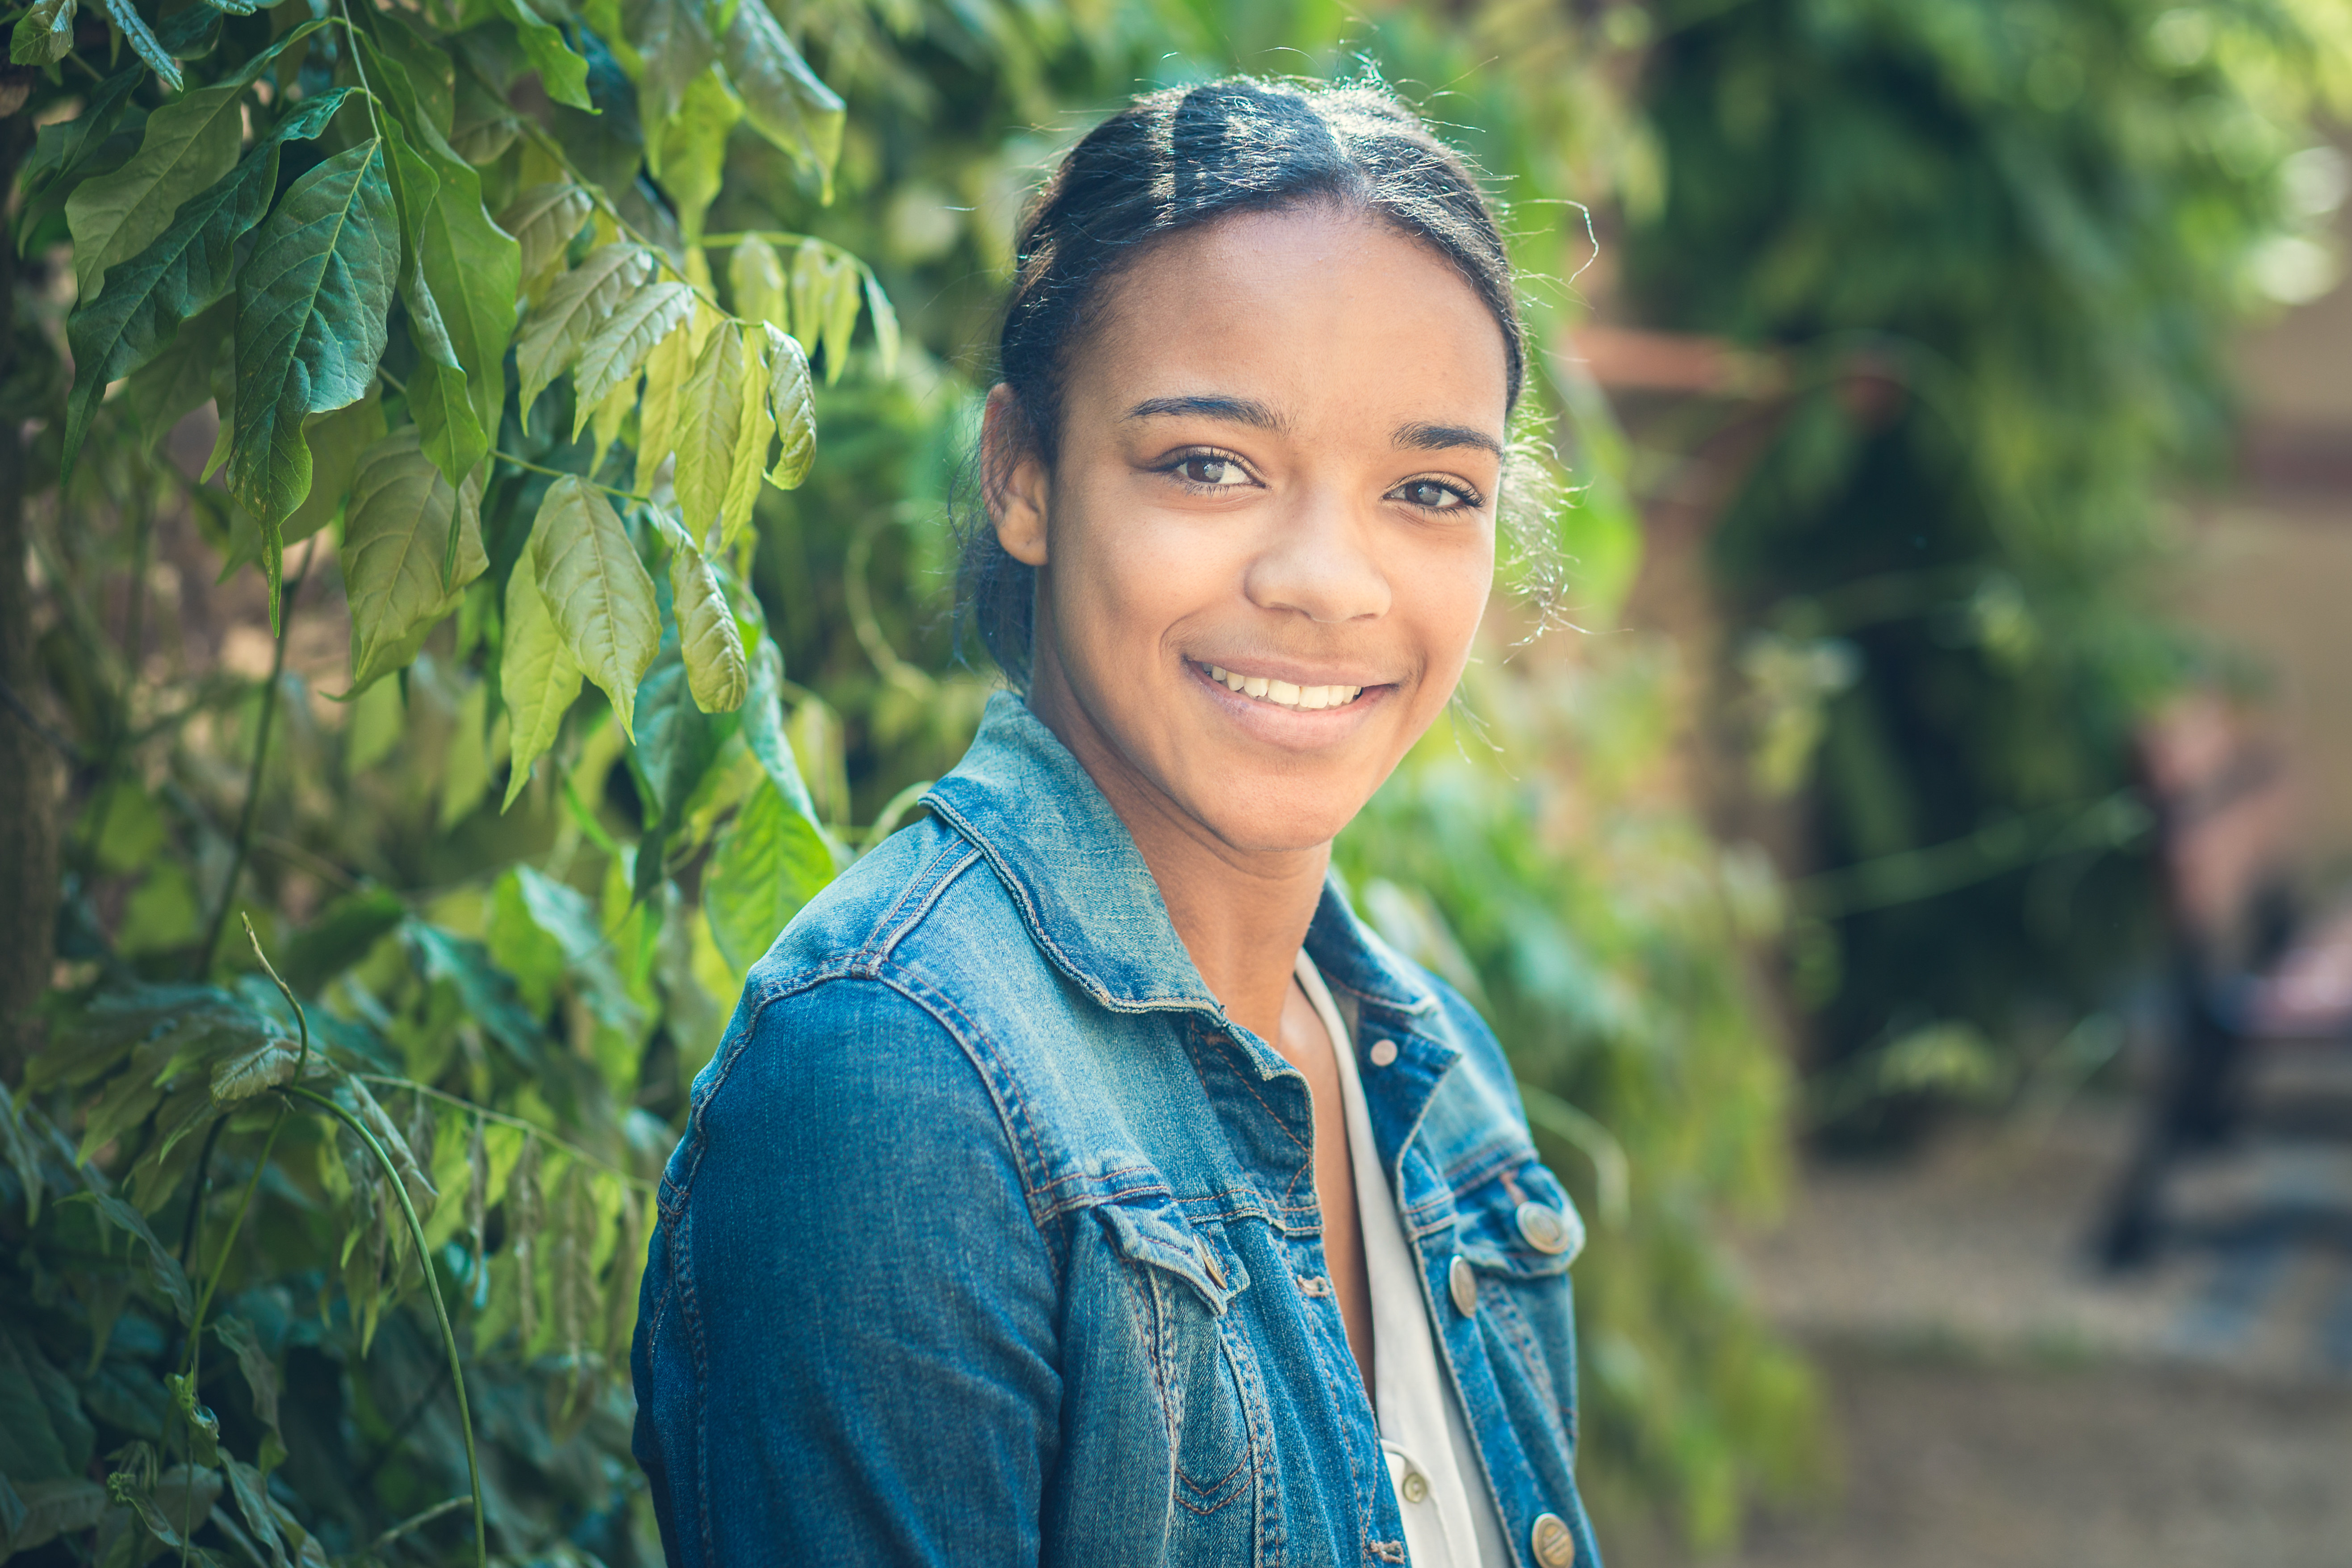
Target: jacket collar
x: 1089, y: 901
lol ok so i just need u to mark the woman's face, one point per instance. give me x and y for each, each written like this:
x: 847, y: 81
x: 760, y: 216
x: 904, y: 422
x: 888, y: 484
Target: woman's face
x: 1269, y: 532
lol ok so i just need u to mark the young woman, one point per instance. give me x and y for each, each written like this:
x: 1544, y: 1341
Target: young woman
x: 1080, y: 1183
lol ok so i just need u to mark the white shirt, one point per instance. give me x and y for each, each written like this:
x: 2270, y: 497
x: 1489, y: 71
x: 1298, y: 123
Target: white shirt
x: 1449, y: 1517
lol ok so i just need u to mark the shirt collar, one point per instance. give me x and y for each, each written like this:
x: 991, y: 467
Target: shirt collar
x: 1089, y: 901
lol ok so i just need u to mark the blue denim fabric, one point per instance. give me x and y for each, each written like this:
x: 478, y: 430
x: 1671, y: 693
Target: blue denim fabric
x: 992, y: 1240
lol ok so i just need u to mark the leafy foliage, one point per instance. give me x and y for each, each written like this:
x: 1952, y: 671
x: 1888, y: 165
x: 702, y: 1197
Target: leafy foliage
x: 1997, y: 246
x: 538, y: 415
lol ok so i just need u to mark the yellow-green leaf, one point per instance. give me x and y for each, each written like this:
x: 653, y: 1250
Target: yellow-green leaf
x: 688, y: 155
x: 667, y: 370
x: 885, y: 324
x: 755, y: 277
x: 597, y: 591
x: 396, y: 533
x: 538, y: 677
x: 577, y: 304
x: 619, y: 348
x: 707, y: 634
x: 764, y: 344
x: 543, y: 219
x: 792, y: 401
x: 610, y: 413
x: 710, y: 426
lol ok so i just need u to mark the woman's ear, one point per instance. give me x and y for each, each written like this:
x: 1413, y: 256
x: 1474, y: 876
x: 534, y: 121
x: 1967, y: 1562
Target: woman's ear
x: 1013, y: 478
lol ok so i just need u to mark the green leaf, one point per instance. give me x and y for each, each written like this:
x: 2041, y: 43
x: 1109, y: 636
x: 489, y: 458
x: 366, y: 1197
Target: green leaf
x: 676, y: 744
x: 710, y: 427
x: 578, y: 304
x: 336, y: 441
x: 340, y: 936
x: 394, y: 537
x: 620, y: 347
x: 885, y: 324
x: 187, y: 268
x: 253, y: 1361
x: 666, y: 371
x: 763, y: 346
x: 189, y: 143
x: 179, y: 379
x: 64, y: 1506
x: 82, y: 147
x: 311, y: 304
x: 563, y: 912
x: 44, y: 35
x: 474, y: 268
x: 44, y: 1436
x: 674, y: 37
x: 537, y: 677
x: 487, y: 994
x: 783, y: 98
x: 707, y: 635
x: 598, y: 592
x: 162, y: 1267
x: 792, y: 403
x: 143, y: 41
x: 251, y: 1488
x: 823, y: 277
x: 763, y: 727
x: 771, y: 861
x: 562, y: 72
x: 543, y: 219
x: 688, y: 155
x: 756, y: 283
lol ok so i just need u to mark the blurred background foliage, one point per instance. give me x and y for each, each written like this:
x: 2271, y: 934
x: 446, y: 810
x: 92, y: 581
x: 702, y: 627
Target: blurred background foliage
x: 1984, y: 250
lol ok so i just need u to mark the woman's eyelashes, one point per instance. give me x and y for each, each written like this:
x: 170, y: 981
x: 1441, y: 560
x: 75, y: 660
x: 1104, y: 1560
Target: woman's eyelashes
x: 1437, y: 495
x: 1211, y: 472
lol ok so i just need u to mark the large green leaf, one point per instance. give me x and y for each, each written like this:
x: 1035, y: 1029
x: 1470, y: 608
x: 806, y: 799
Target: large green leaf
x: 574, y: 308
x: 311, y: 304
x: 771, y: 861
x: 667, y: 369
x: 763, y: 345
x: 710, y: 424
x: 543, y: 219
x: 143, y: 42
x: 619, y: 348
x: 561, y: 72
x: 190, y: 142
x: 44, y: 35
x: 688, y: 152
x: 708, y: 638
x: 394, y: 537
x: 190, y: 264
x: 676, y: 743
x: 537, y: 677
x: 598, y: 593
x: 792, y: 403
x: 179, y: 379
x: 674, y: 38
x: 764, y: 731
x: 783, y: 98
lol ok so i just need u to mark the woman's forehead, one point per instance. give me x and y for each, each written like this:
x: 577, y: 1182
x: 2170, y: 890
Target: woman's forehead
x: 1291, y: 310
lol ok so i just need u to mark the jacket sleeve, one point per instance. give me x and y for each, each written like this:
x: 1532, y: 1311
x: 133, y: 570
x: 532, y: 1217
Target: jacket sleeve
x: 845, y: 1346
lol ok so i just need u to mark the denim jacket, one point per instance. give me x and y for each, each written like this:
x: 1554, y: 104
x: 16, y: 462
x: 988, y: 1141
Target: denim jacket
x: 993, y: 1239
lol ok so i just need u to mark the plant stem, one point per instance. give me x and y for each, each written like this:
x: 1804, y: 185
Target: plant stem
x: 433, y: 1287
x: 196, y: 1194
x: 253, y: 776
x: 567, y: 474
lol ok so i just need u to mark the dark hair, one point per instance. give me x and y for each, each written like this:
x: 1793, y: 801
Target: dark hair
x: 1175, y: 160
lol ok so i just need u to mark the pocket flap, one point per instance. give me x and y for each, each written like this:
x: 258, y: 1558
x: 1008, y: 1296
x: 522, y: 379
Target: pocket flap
x: 1159, y: 1237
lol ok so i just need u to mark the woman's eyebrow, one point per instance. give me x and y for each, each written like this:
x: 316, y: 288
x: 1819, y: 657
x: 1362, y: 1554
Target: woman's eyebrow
x: 1440, y: 438
x: 1233, y: 410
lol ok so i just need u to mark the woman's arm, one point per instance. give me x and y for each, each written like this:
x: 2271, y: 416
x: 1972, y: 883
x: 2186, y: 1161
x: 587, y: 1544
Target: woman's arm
x: 846, y: 1351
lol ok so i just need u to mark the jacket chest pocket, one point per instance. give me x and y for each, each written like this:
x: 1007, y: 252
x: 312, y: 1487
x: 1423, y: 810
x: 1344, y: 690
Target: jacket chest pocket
x: 1179, y: 1284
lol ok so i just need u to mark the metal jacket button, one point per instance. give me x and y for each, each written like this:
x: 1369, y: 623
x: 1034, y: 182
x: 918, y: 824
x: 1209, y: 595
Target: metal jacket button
x: 1209, y: 1261
x: 1554, y: 1544
x: 1462, y: 1284
x: 1384, y: 1052
x: 1544, y: 1228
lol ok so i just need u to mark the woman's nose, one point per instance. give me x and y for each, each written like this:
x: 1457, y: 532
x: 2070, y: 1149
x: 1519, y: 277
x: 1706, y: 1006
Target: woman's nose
x: 1318, y: 559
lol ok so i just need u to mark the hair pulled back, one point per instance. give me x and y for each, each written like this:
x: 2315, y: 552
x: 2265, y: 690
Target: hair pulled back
x: 1176, y: 160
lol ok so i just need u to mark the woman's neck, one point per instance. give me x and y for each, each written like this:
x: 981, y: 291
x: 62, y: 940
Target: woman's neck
x: 1241, y: 913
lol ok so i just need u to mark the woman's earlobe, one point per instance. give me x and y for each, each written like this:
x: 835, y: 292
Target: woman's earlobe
x: 1013, y: 481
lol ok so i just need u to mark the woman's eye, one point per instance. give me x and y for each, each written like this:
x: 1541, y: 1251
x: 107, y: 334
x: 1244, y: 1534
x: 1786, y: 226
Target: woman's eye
x: 1432, y: 495
x: 1208, y: 468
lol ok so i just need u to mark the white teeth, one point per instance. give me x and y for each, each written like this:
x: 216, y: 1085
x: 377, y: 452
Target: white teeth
x: 1282, y: 693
